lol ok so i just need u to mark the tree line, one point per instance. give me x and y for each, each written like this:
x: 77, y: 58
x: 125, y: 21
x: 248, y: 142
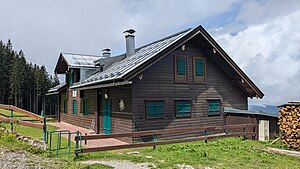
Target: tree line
x: 22, y: 83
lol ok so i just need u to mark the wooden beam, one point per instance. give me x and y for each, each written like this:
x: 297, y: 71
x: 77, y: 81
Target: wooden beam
x: 24, y: 123
x: 87, y: 150
x: 164, y: 131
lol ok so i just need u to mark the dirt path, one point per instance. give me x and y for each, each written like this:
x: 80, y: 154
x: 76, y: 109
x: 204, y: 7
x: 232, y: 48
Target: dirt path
x: 286, y: 152
x: 19, y: 159
x: 120, y: 164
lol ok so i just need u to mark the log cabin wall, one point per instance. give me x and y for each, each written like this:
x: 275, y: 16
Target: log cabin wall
x: 121, y: 120
x: 158, y: 83
x: 79, y: 119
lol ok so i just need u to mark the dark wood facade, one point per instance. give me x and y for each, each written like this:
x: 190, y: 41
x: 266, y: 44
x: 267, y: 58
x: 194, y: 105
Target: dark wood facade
x: 158, y: 83
x: 156, y: 80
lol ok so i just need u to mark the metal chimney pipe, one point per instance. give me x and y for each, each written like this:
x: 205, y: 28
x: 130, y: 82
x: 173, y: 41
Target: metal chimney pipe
x: 130, y: 43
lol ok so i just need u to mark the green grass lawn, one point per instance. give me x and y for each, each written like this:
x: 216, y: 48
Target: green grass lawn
x: 219, y: 153
x: 7, y: 113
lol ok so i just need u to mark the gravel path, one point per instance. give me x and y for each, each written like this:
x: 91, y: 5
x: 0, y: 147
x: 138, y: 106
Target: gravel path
x: 120, y: 164
x: 19, y: 159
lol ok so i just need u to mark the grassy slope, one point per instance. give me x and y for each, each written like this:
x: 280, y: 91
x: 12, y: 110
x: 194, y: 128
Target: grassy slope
x: 221, y: 153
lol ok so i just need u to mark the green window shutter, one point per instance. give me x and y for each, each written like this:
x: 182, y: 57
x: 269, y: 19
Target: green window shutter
x: 71, y: 78
x: 65, y: 106
x: 183, y: 108
x: 199, y: 67
x: 154, y: 109
x: 213, y: 107
x: 85, y: 107
x: 74, y: 107
x: 181, y: 66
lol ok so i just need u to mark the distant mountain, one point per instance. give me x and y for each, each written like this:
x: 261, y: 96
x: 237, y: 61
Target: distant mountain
x: 265, y: 108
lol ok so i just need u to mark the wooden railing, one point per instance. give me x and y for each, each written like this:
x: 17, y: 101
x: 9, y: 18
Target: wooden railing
x: 20, y: 122
x: 12, y: 121
x: 25, y: 112
x: 246, y: 130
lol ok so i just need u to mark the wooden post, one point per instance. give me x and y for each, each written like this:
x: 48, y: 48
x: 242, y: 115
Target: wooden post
x: 11, y: 123
x: 97, y: 124
x: 85, y: 141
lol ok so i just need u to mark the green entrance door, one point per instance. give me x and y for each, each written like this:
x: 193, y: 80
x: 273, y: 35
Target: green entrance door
x: 107, y: 116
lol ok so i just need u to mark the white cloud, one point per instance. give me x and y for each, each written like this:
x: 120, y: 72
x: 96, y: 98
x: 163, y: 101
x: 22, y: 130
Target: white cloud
x: 45, y: 28
x: 266, y: 45
x: 270, y: 54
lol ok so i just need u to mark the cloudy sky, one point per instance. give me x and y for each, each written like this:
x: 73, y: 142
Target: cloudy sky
x: 262, y: 36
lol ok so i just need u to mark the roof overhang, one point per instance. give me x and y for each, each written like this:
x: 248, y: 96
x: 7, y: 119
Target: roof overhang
x: 55, y: 90
x: 229, y: 110
x: 112, y: 84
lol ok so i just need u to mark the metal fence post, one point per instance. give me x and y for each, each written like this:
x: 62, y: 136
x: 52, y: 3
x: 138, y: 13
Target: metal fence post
x: 85, y: 141
x: 76, y: 145
x: 205, y: 134
x: 45, y: 130
x: 42, y: 113
x: 205, y: 141
x: 11, y: 123
x: 154, y: 139
x: 244, y: 130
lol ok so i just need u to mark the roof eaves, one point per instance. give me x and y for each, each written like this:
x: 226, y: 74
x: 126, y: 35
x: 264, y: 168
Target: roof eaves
x: 238, y: 111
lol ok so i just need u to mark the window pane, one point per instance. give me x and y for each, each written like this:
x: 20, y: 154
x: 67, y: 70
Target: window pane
x: 65, y: 106
x: 199, y: 67
x: 154, y: 109
x: 85, y: 107
x: 181, y: 66
x: 213, y: 107
x: 183, y: 108
x: 71, y: 78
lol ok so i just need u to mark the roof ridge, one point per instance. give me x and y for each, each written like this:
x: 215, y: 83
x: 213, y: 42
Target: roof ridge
x: 167, y: 37
x: 80, y: 54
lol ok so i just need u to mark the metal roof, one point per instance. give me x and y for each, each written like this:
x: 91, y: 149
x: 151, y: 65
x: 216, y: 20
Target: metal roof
x: 55, y: 89
x: 79, y: 60
x: 238, y: 111
x: 291, y: 103
x: 119, y: 69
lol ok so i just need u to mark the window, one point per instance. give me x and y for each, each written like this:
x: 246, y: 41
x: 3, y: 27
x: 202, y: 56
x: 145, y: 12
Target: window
x: 199, y: 70
x: 183, y: 108
x: 214, y: 107
x: 85, y: 107
x: 154, y: 109
x: 65, y: 106
x: 181, y: 70
x: 74, y: 107
x: 71, y: 78
x: 181, y: 65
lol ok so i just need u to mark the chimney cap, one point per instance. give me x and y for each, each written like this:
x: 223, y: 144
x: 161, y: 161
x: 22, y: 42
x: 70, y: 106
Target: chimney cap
x: 106, y: 50
x: 129, y: 31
